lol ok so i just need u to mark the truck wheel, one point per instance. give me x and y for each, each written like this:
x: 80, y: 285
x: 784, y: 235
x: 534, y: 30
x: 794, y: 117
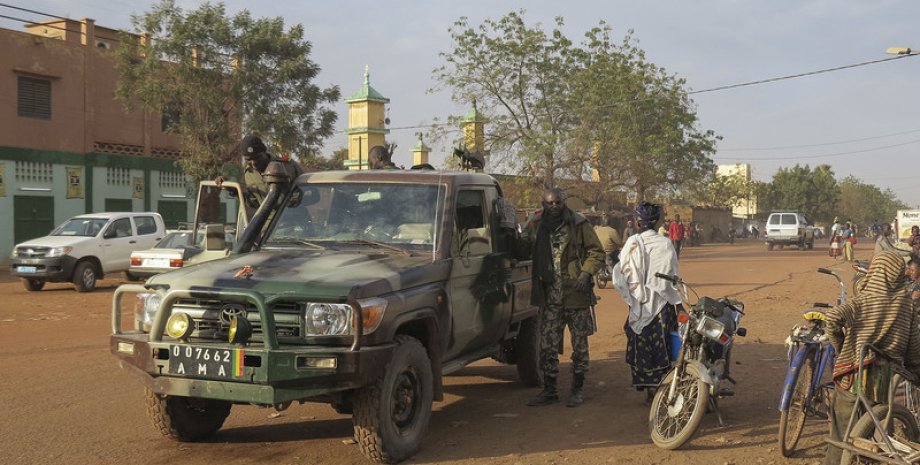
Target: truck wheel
x: 810, y: 245
x: 769, y: 247
x: 186, y: 419
x: 33, y: 284
x: 84, y: 277
x: 133, y: 277
x: 527, y: 350
x: 391, y: 416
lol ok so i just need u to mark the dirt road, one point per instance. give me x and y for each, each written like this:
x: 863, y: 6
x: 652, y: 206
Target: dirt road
x: 66, y: 402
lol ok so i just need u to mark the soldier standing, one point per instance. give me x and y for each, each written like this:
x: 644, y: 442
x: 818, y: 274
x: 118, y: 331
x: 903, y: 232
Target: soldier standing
x: 566, y: 253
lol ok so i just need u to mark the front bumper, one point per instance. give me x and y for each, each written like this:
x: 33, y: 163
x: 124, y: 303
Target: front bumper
x: 269, y: 376
x: 56, y: 269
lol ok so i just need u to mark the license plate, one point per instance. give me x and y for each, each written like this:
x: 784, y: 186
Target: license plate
x: 26, y: 269
x: 205, y: 362
x: 156, y: 262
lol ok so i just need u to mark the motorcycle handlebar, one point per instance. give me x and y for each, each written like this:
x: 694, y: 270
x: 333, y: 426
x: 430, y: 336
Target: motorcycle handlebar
x: 674, y: 279
x: 826, y: 271
x: 822, y: 305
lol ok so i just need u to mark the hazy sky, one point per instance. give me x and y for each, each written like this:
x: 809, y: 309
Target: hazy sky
x: 862, y: 121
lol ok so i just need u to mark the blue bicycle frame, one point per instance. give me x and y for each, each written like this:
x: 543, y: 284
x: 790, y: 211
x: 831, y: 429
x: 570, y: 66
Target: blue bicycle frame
x: 797, y: 362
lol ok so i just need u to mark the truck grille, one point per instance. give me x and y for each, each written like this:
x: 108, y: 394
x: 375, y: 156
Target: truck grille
x: 31, y: 252
x: 212, y: 317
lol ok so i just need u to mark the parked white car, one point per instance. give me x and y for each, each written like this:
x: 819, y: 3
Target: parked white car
x: 85, y: 248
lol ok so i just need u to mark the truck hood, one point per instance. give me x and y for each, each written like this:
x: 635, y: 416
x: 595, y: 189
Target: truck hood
x: 322, y: 274
x: 55, y: 241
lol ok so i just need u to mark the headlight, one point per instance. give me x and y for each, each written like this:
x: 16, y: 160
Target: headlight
x: 145, y: 308
x: 327, y: 319
x: 710, y: 328
x: 58, y: 251
x: 322, y: 319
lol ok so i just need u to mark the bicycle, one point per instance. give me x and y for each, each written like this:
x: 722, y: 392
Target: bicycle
x: 804, y: 393
x: 881, y: 433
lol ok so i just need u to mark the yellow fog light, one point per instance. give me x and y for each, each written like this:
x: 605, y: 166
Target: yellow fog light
x: 240, y: 330
x: 180, y: 326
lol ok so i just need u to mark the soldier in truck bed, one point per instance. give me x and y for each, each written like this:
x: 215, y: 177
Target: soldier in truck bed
x: 566, y: 254
x: 256, y: 159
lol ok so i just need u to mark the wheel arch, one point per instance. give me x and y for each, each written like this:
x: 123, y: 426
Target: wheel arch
x: 422, y: 324
x: 97, y: 264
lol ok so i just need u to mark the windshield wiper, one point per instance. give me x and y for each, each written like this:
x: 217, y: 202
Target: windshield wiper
x: 293, y: 240
x: 382, y: 245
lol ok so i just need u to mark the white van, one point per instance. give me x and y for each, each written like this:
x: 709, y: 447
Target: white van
x: 789, y: 228
x: 85, y: 248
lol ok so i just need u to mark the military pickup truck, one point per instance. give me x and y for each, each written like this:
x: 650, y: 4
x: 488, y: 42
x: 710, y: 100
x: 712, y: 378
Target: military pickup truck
x: 360, y: 289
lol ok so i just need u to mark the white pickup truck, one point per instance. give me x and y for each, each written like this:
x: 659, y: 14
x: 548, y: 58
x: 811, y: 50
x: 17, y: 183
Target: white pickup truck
x: 789, y: 228
x: 85, y: 248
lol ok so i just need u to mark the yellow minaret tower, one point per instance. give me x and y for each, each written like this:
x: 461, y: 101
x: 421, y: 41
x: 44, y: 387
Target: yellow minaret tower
x: 473, y: 126
x: 420, y: 152
x: 366, y: 123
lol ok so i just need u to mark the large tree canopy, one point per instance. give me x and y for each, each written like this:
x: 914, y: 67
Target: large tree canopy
x: 221, y: 74
x: 812, y: 192
x: 866, y: 203
x: 559, y: 109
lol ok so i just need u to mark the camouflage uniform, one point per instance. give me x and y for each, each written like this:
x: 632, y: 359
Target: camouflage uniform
x: 579, y: 250
x: 556, y: 316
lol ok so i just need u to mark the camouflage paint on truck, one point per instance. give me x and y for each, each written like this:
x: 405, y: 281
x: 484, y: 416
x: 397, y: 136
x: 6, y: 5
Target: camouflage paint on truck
x: 358, y: 288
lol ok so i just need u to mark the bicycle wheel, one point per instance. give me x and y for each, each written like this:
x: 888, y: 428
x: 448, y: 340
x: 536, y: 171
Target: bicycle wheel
x: 792, y: 420
x: 903, y: 427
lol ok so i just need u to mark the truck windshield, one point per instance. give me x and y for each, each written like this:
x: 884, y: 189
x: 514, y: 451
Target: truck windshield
x: 85, y: 227
x: 360, y: 215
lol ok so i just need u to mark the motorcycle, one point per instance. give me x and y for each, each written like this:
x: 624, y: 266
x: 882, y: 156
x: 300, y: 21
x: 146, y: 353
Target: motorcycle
x: 699, y: 375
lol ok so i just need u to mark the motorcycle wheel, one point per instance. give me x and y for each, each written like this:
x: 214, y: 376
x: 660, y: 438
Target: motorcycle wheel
x: 792, y: 420
x: 673, y: 424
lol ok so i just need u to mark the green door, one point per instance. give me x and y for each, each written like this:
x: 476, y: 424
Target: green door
x: 118, y: 205
x: 173, y: 212
x: 32, y: 217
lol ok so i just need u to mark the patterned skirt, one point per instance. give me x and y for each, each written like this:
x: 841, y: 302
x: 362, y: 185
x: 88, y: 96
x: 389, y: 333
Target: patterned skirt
x: 648, y: 353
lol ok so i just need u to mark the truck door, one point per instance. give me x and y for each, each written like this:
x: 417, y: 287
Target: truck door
x: 478, y: 277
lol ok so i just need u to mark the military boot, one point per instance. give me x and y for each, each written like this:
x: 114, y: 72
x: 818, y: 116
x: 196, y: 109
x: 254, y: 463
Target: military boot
x: 549, y: 394
x: 576, y: 397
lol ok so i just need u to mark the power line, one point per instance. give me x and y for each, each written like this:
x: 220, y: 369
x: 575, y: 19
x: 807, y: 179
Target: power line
x: 14, y: 7
x: 787, y: 147
x: 40, y: 24
x: 827, y: 155
x: 793, y: 76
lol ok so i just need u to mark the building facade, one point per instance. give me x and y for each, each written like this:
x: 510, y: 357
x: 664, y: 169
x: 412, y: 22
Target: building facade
x: 68, y: 146
x: 745, y: 208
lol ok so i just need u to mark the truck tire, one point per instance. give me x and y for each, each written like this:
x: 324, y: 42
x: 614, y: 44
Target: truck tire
x: 84, y: 277
x: 810, y: 245
x: 186, y: 419
x: 33, y: 284
x: 133, y: 277
x: 391, y: 415
x: 527, y: 352
x: 769, y: 247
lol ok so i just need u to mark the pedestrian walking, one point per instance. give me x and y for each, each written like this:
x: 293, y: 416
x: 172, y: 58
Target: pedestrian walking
x: 651, y: 300
x: 848, y: 239
x: 676, y: 234
x: 566, y: 254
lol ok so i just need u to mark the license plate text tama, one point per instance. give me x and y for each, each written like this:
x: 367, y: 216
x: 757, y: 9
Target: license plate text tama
x: 205, y: 362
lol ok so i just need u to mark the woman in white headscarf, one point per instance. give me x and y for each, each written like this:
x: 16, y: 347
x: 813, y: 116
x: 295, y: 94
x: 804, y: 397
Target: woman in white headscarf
x: 651, y: 300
